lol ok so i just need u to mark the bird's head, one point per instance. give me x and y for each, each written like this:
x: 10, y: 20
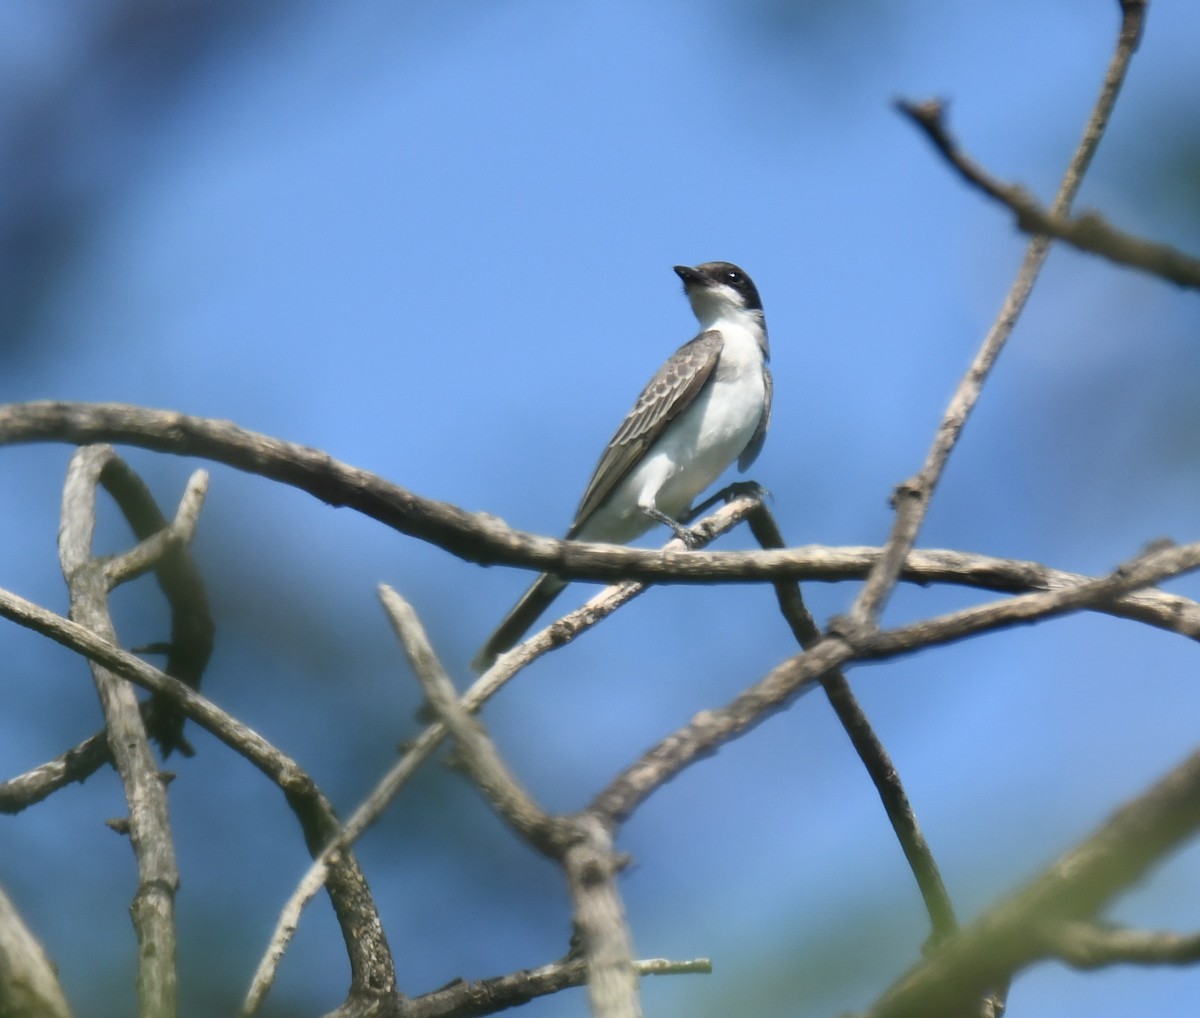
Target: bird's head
x: 718, y: 290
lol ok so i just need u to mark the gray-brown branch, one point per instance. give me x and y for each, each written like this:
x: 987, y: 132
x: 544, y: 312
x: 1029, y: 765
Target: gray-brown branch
x: 1022, y: 930
x: 149, y: 827
x: 913, y: 496
x: 1088, y: 232
x: 371, y: 970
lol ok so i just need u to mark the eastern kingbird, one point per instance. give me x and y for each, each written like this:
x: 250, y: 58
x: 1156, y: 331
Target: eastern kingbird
x: 709, y: 404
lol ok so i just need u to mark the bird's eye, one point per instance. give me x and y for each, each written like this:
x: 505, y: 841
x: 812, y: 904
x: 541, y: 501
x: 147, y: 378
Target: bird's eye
x: 733, y: 276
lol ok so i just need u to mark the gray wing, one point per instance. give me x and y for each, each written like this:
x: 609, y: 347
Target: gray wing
x: 750, y: 453
x: 669, y: 393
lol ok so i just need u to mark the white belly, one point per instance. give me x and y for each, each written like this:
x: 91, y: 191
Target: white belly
x: 694, y: 450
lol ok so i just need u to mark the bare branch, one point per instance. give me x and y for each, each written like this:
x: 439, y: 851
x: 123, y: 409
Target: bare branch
x: 571, y: 625
x: 1053, y: 917
x: 1155, y: 564
x: 487, y: 996
x: 157, y: 542
x: 583, y: 844
x: 870, y: 749
x: 776, y: 691
x: 417, y: 752
x: 477, y: 537
x: 164, y: 550
x: 711, y: 729
x: 1169, y: 612
x: 704, y: 735
x: 29, y: 986
x: 153, y: 907
x: 912, y: 497
x: 493, y: 541
x: 474, y: 537
x: 1091, y: 945
x: 479, y: 755
x: 164, y: 547
x: 77, y: 764
x: 1078, y: 886
x: 603, y: 934
x: 372, y: 974
x: 1087, y: 232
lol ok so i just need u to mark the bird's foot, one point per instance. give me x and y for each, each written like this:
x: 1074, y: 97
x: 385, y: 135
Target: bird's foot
x: 690, y: 540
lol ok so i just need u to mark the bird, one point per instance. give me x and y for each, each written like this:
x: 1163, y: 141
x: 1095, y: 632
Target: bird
x: 709, y: 404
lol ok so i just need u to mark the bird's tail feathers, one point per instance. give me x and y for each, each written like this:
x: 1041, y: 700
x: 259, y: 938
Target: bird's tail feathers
x: 518, y: 621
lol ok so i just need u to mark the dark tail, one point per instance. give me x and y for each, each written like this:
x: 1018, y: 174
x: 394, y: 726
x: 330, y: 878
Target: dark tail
x: 518, y: 621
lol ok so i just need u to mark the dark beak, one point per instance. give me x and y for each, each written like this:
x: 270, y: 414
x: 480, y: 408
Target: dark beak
x: 689, y: 275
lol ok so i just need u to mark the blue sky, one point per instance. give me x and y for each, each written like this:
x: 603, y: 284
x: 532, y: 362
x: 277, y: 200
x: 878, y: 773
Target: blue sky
x: 417, y: 238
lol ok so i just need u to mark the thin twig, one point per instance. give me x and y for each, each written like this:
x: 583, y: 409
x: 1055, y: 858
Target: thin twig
x: 1077, y: 886
x: 582, y: 845
x: 156, y: 535
x: 1167, y: 611
x: 420, y: 749
x: 463, y: 999
x: 1150, y: 567
x: 870, y: 749
x: 1170, y: 612
x: 77, y: 764
x: 371, y: 970
x: 776, y: 691
x: 1087, y: 232
x: 1093, y: 945
x: 478, y: 753
x: 153, y: 909
x: 164, y: 548
x: 912, y: 497
x: 566, y: 629
x: 29, y: 986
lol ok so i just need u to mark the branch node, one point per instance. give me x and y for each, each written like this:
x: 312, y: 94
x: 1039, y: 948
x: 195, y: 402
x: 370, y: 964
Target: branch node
x: 911, y: 490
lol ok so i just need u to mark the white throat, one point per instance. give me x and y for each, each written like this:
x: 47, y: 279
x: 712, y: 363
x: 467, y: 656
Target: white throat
x: 731, y: 321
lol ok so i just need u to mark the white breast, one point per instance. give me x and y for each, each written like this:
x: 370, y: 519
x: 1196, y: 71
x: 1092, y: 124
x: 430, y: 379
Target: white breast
x: 697, y: 446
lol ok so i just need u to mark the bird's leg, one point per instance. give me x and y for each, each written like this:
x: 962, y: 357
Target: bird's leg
x: 680, y: 531
x: 728, y: 494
